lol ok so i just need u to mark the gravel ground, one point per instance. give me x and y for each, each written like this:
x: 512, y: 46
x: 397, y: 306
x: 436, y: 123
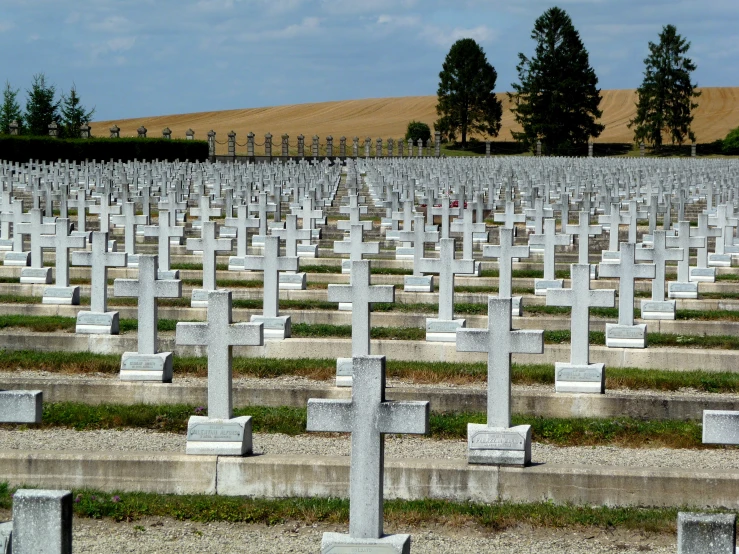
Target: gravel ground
x: 131, y: 440
x: 170, y: 536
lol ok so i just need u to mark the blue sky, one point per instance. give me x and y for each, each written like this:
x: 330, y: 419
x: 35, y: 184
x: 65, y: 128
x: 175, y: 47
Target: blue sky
x: 132, y: 58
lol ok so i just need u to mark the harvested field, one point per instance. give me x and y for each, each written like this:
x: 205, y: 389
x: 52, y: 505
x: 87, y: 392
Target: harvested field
x: 718, y: 112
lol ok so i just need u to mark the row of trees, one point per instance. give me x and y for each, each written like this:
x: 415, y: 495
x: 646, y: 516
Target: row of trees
x: 42, y: 108
x: 557, y: 99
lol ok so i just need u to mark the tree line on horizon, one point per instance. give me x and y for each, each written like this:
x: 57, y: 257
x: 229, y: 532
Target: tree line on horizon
x: 42, y: 108
x: 557, y: 98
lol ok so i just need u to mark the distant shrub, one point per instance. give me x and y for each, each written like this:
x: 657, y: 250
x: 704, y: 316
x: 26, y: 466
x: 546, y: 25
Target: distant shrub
x: 731, y: 142
x: 418, y: 130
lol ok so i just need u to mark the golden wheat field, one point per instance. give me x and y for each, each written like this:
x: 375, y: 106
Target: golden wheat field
x: 717, y: 113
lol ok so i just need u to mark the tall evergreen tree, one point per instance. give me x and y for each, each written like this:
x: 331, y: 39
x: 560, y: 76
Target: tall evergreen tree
x: 41, y: 109
x: 466, y: 101
x: 73, y: 114
x: 10, y: 110
x: 666, y: 95
x: 557, y: 99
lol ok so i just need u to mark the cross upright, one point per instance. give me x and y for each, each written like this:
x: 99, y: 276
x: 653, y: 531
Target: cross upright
x: 635, y: 214
x: 706, y: 231
x: 35, y: 228
x: 418, y: 236
x: 659, y: 254
x: 563, y: 207
x: 726, y: 225
x: 241, y: 223
x: 164, y: 232
x: 538, y: 213
x: 16, y: 216
x: 209, y: 245
x: 172, y: 206
x: 129, y: 220
x: 446, y: 212
x: 626, y: 270
x: 309, y: 216
x: 204, y: 211
x: 99, y: 260
x: 499, y: 341
x: 368, y: 417
x: 62, y: 242
x: 262, y: 208
x: 446, y: 266
x: 581, y: 298
x: 614, y: 220
x: 355, y: 211
x: 291, y: 235
x: 355, y: 247
x: 468, y: 228
x: 583, y: 230
x: 684, y: 241
x: 509, y: 218
x: 361, y: 295
x: 505, y: 252
x: 219, y: 335
x: 271, y: 263
x: 549, y: 240
x: 105, y: 210
x: 81, y: 204
x: 147, y: 288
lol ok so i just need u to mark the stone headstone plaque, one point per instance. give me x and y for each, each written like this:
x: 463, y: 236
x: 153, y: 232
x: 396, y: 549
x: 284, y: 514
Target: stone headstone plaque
x: 621, y: 332
x: 587, y: 374
x: 215, y: 432
x: 490, y: 439
x: 143, y: 363
x: 99, y: 319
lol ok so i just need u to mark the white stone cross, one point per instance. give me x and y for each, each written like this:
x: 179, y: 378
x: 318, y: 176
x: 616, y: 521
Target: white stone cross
x: 291, y: 235
x: 505, y: 252
x: 684, y: 241
x: 726, y: 225
x: 81, y: 204
x: 129, y: 220
x: 262, y: 208
x: 614, y: 220
x: 219, y: 335
x: 355, y: 246
x: 105, y: 210
x: 271, y: 263
x: 446, y: 266
x: 538, y: 213
x: 634, y: 215
x: 164, y: 232
x: 99, y: 260
x: 419, y: 237
x: 660, y: 255
x: 355, y: 212
x: 62, y: 242
x: 581, y: 299
x: 499, y: 341
x: 361, y: 295
x: 204, y: 212
x: 446, y: 212
x: 509, y: 218
x: 468, y: 229
x: 368, y: 417
x: 16, y: 216
x: 626, y: 270
x: 309, y: 216
x: 35, y: 228
x: 147, y: 288
x: 549, y: 240
x: 703, y: 230
x: 583, y: 230
x: 209, y: 245
x: 241, y: 223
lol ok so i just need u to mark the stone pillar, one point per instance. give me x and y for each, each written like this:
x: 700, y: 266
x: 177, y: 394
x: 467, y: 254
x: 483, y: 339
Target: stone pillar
x: 400, y: 148
x: 232, y: 145
x: 329, y: 146
x: 189, y: 134
x: 590, y: 149
x: 420, y: 147
x: 268, y: 145
x: 13, y: 127
x: 342, y: 147
x: 301, y: 146
x: 390, y: 147
x: 250, y: 145
x: 437, y: 144
x: 642, y: 149
x: 115, y: 131
x: 355, y: 147
x: 212, y: 144
x: 487, y: 148
x: 85, y: 131
x: 410, y: 148
x: 167, y: 133
x: 538, y: 148
x: 378, y: 148
x: 141, y: 131
x: 285, y: 146
x: 693, y: 150
x: 367, y: 145
x: 53, y: 129
x: 314, y: 146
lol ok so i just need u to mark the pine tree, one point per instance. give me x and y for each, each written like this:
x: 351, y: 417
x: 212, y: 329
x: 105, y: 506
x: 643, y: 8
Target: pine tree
x: 41, y: 109
x: 466, y: 101
x: 10, y: 110
x: 666, y: 94
x: 557, y: 99
x: 73, y: 114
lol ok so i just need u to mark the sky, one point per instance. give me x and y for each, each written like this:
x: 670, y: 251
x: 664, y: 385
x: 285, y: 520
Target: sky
x: 135, y: 58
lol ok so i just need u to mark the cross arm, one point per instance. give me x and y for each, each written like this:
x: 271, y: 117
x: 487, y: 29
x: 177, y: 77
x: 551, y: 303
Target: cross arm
x: 192, y: 334
x: 527, y: 342
x: 404, y: 417
x: 168, y: 288
x: 340, y: 293
x: 126, y: 287
x: 245, y: 334
x: 82, y: 258
x: 609, y: 270
x: 288, y: 263
x: 602, y: 298
x: 558, y: 297
x: 430, y: 265
x: 644, y: 271
x: 329, y: 416
x: 473, y: 340
x: 342, y: 247
x: 382, y: 293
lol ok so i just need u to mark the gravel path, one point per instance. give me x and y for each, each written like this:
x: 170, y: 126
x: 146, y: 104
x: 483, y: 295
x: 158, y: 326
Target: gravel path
x: 176, y: 537
x: 129, y: 440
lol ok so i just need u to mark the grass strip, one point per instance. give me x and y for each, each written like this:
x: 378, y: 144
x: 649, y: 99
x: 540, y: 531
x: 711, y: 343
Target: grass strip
x: 622, y: 431
x: 52, y: 323
x: 417, y: 372
x: 132, y: 506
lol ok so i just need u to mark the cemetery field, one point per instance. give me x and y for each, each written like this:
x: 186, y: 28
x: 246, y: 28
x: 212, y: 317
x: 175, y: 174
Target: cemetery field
x: 716, y: 115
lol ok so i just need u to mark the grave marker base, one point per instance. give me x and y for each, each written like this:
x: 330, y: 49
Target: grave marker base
x: 97, y: 323
x: 133, y: 260
x: 219, y: 437
x: 22, y: 259
x: 36, y: 275
x: 168, y: 275
x: 276, y: 328
x: 719, y: 260
x: 542, y: 285
x: 516, y: 306
x: 199, y: 298
x: 439, y: 330
x: 86, y: 234
x: 418, y: 283
x: 6, y: 534
x: 476, y: 273
x: 610, y: 256
x: 6, y: 245
x: 651, y: 309
x: 345, y: 306
x: 593, y: 272
x: 21, y: 406
x: 69, y: 296
x: 236, y: 263
x: 307, y: 250
x: 590, y: 378
x: 720, y: 427
x: 146, y: 367
x: 676, y: 289
x: 293, y: 281
x: 626, y: 336
x: 344, y: 372
x: 498, y: 446
x: 404, y: 253
x: 702, y: 275
x: 704, y: 533
x: 339, y: 543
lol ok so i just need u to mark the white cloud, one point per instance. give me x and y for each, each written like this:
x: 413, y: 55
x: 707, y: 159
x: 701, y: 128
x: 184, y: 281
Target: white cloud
x: 440, y: 37
x: 308, y: 26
